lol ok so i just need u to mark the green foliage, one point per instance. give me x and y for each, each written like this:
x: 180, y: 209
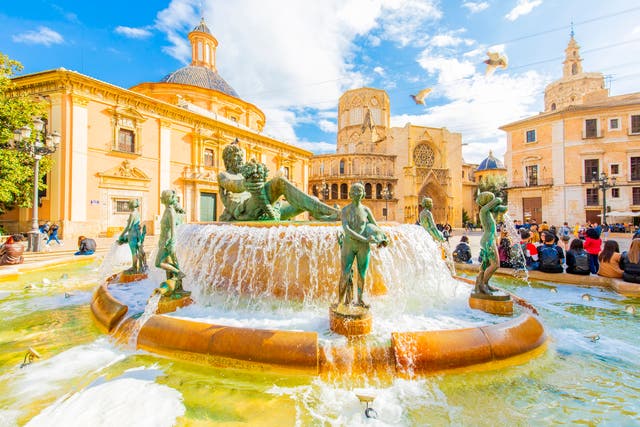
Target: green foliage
x: 495, y: 184
x: 16, y: 168
x: 465, y: 217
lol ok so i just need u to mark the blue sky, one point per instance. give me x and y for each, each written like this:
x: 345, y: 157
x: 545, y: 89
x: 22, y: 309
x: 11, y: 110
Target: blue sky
x: 294, y: 58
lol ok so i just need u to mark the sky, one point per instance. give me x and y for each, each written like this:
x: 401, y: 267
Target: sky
x: 294, y: 58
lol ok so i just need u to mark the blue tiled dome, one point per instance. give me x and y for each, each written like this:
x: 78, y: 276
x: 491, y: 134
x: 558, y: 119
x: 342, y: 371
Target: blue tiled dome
x: 201, y: 77
x: 490, y: 163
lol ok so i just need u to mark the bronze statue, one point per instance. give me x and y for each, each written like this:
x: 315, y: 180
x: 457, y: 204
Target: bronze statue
x: 489, y: 206
x: 360, y: 231
x: 427, y: 222
x: 166, y: 258
x: 247, y: 195
x: 134, y: 236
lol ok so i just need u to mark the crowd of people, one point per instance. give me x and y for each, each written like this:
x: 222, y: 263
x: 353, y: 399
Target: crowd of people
x: 580, y: 250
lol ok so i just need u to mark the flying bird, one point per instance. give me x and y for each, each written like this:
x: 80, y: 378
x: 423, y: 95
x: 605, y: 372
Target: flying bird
x: 420, y: 96
x: 495, y: 60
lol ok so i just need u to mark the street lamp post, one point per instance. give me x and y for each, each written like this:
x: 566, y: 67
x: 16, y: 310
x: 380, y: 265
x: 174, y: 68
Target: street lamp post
x: 386, y: 195
x: 603, y: 183
x: 36, y: 148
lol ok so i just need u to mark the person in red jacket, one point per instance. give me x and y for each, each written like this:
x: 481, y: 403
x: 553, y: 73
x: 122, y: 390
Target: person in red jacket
x: 593, y: 244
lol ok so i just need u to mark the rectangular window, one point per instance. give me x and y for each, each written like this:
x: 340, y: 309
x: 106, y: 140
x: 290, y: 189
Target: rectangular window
x: 121, y: 206
x: 591, y: 128
x: 635, y: 124
x: 614, y: 124
x: 532, y: 175
x: 615, y: 193
x: 208, y: 157
x: 286, y: 172
x: 635, y: 168
x: 531, y: 136
x: 615, y: 169
x: 126, y: 141
x: 591, y: 169
x: 592, y: 197
x: 636, y: 196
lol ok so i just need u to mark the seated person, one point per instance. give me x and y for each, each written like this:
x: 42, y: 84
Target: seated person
x: 11, y: 251
x: 577, y: 259
x: 86, y: 246
x: 551, y: 256
x: 529, y: 250
x: 504, y: 252
x: 630, y: 263
x: 609, y: 260
x: 462, y: 252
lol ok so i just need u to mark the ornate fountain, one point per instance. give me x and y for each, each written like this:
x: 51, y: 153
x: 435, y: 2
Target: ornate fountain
x: 245, y: 275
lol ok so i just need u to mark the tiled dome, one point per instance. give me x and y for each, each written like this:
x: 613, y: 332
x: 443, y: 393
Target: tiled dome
x: 202, y: 77
x: 490, y: 163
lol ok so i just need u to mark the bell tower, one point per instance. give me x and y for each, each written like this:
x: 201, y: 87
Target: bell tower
x: 572, y: 64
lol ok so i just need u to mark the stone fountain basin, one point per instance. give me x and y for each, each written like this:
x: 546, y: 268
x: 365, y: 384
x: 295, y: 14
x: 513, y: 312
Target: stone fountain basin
x: 410, y: 353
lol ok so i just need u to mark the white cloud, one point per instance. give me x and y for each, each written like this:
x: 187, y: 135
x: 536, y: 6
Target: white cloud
x: 524, y: 7
x: 44, y: 36
x: 449, y: 39
x: 379, y: 71
x: 328, y: 126
x: 475, y: 7
x: 404, y: 21
x: 133, y: 33
x: 320, y: 147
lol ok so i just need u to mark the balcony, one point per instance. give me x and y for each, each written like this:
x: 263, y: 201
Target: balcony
x: 526, y: 183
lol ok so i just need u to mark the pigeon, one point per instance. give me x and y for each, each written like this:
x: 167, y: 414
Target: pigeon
x: 495, y: 60
x: 420, y: 96
x: 630, y: 309
x: 586, y: 297
x: 593, y: 337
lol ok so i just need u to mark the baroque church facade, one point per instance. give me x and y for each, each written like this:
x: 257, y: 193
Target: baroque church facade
x: 397, y: 165
x: 583, y: 133
x: 120, y: 144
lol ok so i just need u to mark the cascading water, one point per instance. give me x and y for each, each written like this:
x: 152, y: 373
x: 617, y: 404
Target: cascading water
x: 517, y: 258
x: 286, y: 277
x: 117, y: 259
x: 149, y: 310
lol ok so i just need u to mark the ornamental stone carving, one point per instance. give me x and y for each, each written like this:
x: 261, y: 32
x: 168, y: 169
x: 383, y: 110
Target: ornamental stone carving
x: 423, y: 156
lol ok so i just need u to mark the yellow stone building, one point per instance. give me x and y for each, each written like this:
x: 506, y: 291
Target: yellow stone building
x: 583, y: 132
x: 398, y: 166
x: 118, y: 144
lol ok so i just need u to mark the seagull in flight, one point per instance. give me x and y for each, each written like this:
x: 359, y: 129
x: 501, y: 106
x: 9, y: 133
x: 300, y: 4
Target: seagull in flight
x: 420, y: 96
x: 495, y: 60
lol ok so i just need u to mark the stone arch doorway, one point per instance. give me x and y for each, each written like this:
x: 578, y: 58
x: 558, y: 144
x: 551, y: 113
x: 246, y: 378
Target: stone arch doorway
x: 440, y: 201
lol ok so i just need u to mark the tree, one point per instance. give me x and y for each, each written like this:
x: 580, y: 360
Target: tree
x: 16, y: 168
x: 496, y: 184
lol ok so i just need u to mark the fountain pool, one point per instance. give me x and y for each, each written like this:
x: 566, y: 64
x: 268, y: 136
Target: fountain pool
x: 588, y: 375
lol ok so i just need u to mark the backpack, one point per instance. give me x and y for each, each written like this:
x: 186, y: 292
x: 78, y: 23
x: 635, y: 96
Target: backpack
x: 582, y: 261
x: 565, y: 231
x: 462, y: 252
x: 548, y: 256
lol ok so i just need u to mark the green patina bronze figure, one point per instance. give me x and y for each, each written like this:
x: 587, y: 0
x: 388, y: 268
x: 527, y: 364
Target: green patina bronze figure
x: 248, y: 196
x: 490, y: 205
x: 427, y: 222
x: 134, y: 235
x: 360, y: 232
x: 166, y: 258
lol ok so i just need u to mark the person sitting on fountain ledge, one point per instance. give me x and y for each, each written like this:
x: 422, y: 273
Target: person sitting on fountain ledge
x: 247, y: 195
x: 360, y: 231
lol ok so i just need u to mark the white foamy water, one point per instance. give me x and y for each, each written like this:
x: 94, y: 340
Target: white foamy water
x: 150, y: 310
x: 117, y: 259
x: 516, y: 256
x: 132, y: 399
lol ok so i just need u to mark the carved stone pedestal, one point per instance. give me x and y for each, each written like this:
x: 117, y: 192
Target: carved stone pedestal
x: 496, y: 303
x: 349, y: 320
x: 175, y: 301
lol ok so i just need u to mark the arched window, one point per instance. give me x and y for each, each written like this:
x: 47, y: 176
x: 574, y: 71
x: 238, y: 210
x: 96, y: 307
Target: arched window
x: 574, y: 69
x: 314, y: 190
x: 553, y: 107
x: 334, y: 191
x: 344, y: 191
x: 341, y: 167
x: 390, y: 190
x: 367, y: 191
x: 378, y: 191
